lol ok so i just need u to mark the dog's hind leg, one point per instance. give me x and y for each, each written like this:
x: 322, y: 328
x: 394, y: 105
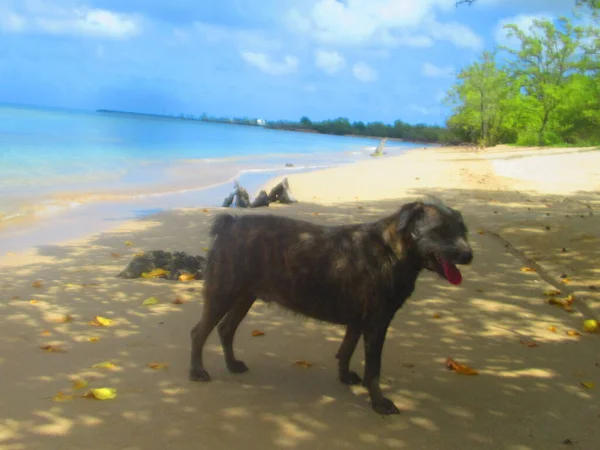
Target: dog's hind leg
x: 215, y: 308
x: 228, y: 327
x: 374, y: 337
x: 345, y: 353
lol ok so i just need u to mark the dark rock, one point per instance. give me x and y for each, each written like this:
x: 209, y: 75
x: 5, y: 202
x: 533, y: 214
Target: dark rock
x: 229, y: 200
x: 289, y: 165
x: 176, y: 264
x: 282, y: 193
x: 242, y: 198
x: 262, y: 199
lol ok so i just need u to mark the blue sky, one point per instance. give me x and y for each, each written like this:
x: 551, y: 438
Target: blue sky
x: 275, y: 59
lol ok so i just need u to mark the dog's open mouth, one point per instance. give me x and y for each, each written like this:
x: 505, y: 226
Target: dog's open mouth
x: 450, y: 271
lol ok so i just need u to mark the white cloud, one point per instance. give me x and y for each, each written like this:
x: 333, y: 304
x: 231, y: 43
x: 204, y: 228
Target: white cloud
x: 433, y: 71
x: 264, y: 62
x: 241, y: 38
x: 364, y: 73
x: 384, y: 22
x: 37, y: 17
x: 523, y: 21
x: 330, y: 62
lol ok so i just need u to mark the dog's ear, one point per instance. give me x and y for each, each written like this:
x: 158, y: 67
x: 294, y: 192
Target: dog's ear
x: 407, y: 216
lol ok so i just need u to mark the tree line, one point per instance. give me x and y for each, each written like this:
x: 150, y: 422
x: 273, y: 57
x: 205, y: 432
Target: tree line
x: 543, y: 89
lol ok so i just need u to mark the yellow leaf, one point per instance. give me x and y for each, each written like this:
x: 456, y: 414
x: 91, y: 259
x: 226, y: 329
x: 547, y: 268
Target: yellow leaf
x: 52, y: 349
x: 552, y: 328
x: 156, y: 273
x: 93, y: 338
x: 102, y: 393
x: 588, y: 384
x: 64, y: 319
x: 187, y: 277
x: 150, y: 301
x: 139, y: 254
x: 33, y: 302
x: 573, y: 333
x: 37, y: 284
x: 565, y: 280
x: 62, y: 397
x: 100, y: 321
x: 158, y: 366
x: 481, y: 231
x: 302, y: 363
x: 590, y: 325
x: 128, y: 243
x: 79, y: 384
x: 45, y: 333
x: 551, y: 292
x: 205, y: 210
x: 437, y: 316
x: 460, y: 368
x: 257, y: 333
x: 104, y: 365
x: 205, y: 249
x: 527, y: 269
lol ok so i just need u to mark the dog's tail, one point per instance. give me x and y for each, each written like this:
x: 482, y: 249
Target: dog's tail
x: 221, y: 224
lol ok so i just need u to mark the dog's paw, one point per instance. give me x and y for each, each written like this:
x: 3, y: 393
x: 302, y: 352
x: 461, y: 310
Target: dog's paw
x: 385, y: 406
x: 199, y: 374
x: 237, y: 367
x: 350, y: 378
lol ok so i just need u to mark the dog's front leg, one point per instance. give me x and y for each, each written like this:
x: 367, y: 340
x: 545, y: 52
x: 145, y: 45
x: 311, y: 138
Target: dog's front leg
x: 345, y: 352
x: 374, y: 337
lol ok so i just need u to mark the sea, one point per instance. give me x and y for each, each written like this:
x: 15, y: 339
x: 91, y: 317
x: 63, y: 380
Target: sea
x: 66, y: 172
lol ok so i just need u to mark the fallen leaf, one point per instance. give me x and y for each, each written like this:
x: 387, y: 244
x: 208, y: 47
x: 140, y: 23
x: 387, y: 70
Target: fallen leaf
x: 45, y: 333
x: 93, y: 339
x: 563, y: 302
x: 551, y: 292
x: 115, y: 255
x: 79, y: 384
x: 128, y: 243
x: 205, y: 210
x: 257, y: 333
x: 62, y: 397
x: 565, y: 280
x: 178, y: 301
x: 37, y: 284
x: 156, y: 273
x: 187, y: 277
x: 529, y: 343
x: 158, y: 366
x: 481, y: 291
x: 588, y: 384
x: 315, y: 214
x: 52, y: 349
x: 527, y: 269
x: 590, y: 325
x: 205, y: 249
x: 437, y: 316
x: 552, y: 328
x: 460, y: 368
x: 100, y: 321
x: 16, y: 297
x: 104, y: 365
x: 33, y: 302
x: 102, y: 393
x: 302, y: 363
x: 150, y: 301
x: 139, y: 254
x: 481, y: 231
x: 573, y: 333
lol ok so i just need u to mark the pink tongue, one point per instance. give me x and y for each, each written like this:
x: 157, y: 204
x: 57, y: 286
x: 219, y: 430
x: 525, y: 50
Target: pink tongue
x: 452, y: 273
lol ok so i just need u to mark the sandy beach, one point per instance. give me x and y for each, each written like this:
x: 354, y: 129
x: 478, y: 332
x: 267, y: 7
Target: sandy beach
x: 538, y: 384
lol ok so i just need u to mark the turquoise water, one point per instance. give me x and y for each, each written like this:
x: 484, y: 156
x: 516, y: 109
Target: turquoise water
x: 53, y: 160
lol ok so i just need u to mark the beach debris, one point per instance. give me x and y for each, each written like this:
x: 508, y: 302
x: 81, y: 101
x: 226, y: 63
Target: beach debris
x: 100, y: 321
x: 169, y: 265
x: 457, y: 367
x: 564, y: 303
x: 37, y: 284
x: 257, y: 333
x: 178, y: 301
x: 104, y: 365
x: 289, y: 165
x: 102, y: 393
x: 302, y: 363
x: 588, y: 384
x: 158, y: 366
x: 156, y: 273
x: 150, y: 301
x: 53, y: 349
x: 280, y: 193
x: 379, y: 150
x: 590, y: 325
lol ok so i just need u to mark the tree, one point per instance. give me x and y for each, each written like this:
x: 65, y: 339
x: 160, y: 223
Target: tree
x: 305, y: 121
x: 482, y: 102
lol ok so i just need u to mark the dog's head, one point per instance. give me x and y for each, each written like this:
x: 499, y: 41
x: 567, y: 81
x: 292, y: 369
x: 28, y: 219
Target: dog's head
x: 438, y: 235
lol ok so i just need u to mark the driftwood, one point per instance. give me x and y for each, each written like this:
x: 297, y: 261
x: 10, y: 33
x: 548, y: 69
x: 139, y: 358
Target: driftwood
x: 170, y: 265
x: 280, y: 193
x: 379, y: 150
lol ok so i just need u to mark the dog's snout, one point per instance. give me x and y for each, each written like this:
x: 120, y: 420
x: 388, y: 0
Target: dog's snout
x: 465, y: 257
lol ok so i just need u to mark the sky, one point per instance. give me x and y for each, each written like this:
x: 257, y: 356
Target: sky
x: 369, y: 60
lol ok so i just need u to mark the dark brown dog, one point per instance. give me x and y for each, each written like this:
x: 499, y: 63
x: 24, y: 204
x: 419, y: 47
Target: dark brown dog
x: 354, y: 275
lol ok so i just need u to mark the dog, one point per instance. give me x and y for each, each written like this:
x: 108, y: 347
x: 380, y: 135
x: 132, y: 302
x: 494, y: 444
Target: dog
x: 355, y: 275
